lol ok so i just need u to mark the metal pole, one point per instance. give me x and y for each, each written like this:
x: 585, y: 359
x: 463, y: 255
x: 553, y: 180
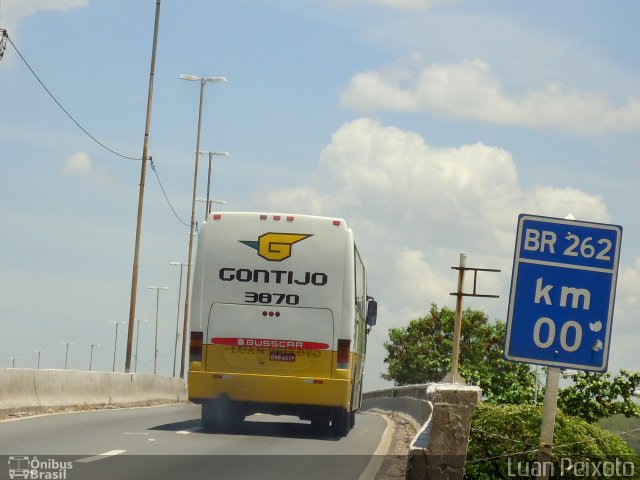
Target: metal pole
x: 457, y: 326
x: 193, y: 221
x: 66, y: 352
x: 39, y: 352
x: 138, y: 320
x: 548, y: 423
x: 13, y: 361
x: 115, y: 345
x: 175, y: 348
x: 207, y: 207
x: 92, y: 345
x: 143, y: 170
x: 155, y: 351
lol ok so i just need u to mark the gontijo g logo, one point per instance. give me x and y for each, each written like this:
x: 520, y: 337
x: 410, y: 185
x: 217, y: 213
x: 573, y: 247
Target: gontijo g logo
x: 275, y: 246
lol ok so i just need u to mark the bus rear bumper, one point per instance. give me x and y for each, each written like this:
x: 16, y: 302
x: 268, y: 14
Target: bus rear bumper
x: 269, y: 389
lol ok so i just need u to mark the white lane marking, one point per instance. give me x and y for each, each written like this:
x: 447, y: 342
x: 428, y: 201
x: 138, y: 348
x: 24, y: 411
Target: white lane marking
x: 375, y: 463
x: 187, y: 431
x: 101, y: 456
x: 135, y: 433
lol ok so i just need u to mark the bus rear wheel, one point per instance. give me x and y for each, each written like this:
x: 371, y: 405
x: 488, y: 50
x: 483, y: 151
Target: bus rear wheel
x: 209, y: 415
x: 341, y: 423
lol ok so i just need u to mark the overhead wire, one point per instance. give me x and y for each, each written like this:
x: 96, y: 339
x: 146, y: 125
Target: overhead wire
x: 4, y: 37
x: 64, y: 109
x: 155, y: 171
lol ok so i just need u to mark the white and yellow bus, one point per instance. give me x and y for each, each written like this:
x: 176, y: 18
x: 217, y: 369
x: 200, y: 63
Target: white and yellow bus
x: 279, y: 320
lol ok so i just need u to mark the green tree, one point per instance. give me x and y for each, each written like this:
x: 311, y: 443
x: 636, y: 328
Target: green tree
x: 594, y: 396
x: 421, y: 353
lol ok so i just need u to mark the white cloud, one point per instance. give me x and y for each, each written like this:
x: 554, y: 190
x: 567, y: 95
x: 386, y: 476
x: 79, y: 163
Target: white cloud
x: 471, y: 90
x: 78, y: 164
x: 414, y: 207
x: 12, y: 11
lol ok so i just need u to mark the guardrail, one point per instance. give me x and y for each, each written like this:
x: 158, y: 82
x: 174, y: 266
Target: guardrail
x: 24, y: 390
x: 443, y: 412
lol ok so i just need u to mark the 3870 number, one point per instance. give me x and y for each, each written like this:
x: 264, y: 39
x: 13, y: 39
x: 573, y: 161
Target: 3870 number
x: 271, y: 298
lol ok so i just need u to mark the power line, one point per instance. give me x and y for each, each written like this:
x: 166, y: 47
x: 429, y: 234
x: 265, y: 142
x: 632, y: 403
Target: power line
x: 153, y: 167
x: 6, y: 35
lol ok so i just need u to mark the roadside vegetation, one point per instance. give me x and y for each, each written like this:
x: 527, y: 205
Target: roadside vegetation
x: 506, y: 425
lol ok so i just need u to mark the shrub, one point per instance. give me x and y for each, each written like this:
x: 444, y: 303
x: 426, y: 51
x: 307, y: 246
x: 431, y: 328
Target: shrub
x: 504, y: 444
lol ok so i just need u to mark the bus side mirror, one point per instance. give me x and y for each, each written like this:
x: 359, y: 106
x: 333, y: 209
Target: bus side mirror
x: 372, y: 313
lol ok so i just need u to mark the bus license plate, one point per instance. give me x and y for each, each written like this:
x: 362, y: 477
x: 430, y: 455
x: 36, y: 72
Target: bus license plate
x: 282, y: 357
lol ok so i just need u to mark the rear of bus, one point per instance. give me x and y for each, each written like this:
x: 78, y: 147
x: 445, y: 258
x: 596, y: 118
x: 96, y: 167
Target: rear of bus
x: 273, y: 320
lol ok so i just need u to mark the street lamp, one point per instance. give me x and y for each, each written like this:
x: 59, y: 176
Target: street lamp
x: 115, y: 343
x: 175, y: 348
x: 66, y: 352
x: 13, y: 361
x: 92, y: 346
x: 137, y: 320
x: 209, y: 202
x: 155, y: 354
x: 211, y: 154
x: 39, y: 352
x: 203, y: 82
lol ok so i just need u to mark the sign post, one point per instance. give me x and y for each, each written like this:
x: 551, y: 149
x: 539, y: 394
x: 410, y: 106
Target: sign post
x: 561, y: 303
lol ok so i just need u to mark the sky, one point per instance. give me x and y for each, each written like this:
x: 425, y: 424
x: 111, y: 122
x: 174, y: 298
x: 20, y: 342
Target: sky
x: 429, y: 125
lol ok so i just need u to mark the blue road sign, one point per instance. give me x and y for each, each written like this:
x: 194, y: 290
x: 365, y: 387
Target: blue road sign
x: 563, y: 288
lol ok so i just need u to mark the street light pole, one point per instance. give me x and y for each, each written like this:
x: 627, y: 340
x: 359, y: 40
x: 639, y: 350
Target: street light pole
x: 13, y: 361
x: 143, y: 173
x: 210, y: 154
x: 115, y: 343
x: 202, y: 81
x: 66, y: 352
x: 39, y: 352
x: 138, y: 320
x: 209, y: 203
x: 155, y: 354
x: 92, y: 345
x: 175, y: 348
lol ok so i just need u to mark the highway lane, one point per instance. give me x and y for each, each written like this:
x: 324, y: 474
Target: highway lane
x: 169, y: 442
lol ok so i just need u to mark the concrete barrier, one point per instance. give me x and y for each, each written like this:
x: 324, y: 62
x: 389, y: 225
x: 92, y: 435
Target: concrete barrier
x: 410, y: 400
x: 23, y: 390
x: 444, y: 411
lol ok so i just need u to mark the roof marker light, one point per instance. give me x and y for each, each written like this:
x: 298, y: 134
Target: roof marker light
x: 217, y: 216
x: 263, y: 217
x: 336, y: 223
x: 276, y: 217
x: 290, y: 219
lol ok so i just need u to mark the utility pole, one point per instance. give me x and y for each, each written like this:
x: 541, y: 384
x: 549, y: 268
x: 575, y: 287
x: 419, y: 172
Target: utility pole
x: 13, y: 361
x: 143, y: 172
x: 453, y: 376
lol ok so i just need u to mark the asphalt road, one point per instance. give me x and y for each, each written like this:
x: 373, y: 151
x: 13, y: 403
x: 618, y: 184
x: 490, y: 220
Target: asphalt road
x: 168, y: 442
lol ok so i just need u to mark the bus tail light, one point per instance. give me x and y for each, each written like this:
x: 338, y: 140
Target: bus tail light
x: 195, y: 347
x: 344, y: 346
